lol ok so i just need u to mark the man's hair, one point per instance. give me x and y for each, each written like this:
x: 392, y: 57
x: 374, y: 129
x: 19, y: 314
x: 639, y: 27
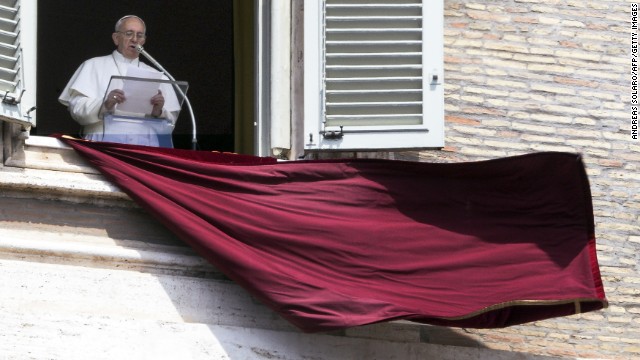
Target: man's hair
x: 125, y: 18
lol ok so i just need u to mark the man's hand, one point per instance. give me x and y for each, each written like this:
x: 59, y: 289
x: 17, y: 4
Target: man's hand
x: 158, y: 103
x: 115, y: 97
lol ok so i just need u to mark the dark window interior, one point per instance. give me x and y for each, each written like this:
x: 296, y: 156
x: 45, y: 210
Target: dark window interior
x: 193, y: 40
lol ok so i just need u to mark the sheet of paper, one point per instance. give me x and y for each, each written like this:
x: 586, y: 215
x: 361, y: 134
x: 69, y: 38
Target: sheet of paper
x: 139, y: 93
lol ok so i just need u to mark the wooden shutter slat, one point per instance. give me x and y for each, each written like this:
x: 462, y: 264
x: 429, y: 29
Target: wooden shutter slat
x: 373, y: 62
x: 8, y: 46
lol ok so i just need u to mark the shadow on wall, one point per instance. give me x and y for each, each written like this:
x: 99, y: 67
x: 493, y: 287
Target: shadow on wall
x: 198, y: 294
x: 449, y: 336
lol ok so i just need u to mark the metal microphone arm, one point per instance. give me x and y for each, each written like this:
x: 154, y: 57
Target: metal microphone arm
x: 194, y: 139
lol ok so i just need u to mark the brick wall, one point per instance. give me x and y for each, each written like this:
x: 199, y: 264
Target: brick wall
x: 532, y: 75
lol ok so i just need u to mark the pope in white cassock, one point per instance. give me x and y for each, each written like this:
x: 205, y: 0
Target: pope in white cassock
x: 85, y: 94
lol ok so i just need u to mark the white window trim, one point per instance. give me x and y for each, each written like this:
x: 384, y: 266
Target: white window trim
x: 430, y: 135
x: 273, y: 123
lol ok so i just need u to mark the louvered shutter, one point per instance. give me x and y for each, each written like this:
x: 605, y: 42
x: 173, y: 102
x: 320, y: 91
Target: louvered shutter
x: 376, y: 80
x: 18, y: 61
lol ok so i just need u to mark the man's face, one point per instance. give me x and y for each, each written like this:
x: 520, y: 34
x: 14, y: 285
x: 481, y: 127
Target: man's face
x: 127, y: 44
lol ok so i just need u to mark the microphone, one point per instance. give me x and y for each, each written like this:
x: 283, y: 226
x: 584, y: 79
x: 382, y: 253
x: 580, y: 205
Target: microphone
x: 153, y: 61
x: 143, y: 52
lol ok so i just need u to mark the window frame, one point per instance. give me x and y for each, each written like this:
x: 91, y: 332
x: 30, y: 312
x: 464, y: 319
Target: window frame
x: 430, y: 134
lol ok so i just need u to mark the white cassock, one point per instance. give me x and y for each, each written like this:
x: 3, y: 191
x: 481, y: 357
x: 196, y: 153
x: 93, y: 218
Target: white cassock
x: 84, y: 94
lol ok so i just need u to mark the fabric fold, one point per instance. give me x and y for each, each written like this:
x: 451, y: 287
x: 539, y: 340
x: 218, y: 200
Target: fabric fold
x: 341, y: 243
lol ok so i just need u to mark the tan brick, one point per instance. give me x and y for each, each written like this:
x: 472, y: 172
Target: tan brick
x: 582, y: 55
x: 472, y: 99
x: 620, y: 319
x: 624, y: 175
x: 494, y: 346
x: 553, y: 89
x: 576, y: 82
x: 530, y: 95
x: 615, y: 136
x: 580, y: 71
x: 499, y: 83
x: 621, y: 227
x: 597, y: 5
x: 577, y: 132
x: 464, y: 43
x: 534, y: 59
x: 544, y: 9
x: 543, y: 139
x: 569, y: 44
x: 496, y: 123
x: 597, y: 95
x: 627, y: 261
x: 501, y: 46
x: 547, y: 147
x: 616, y: 17
x: 495, y: 72
x: 474, y: 130
x: 498, y: 102
x: 504, y: 144
x: 472, y: 70
x: 481, y: 26
x: 632, y: 349
x: 475, y: 6
x: 610, y: 163
x: 486, y: 91
x: 464, y: 140
x: 519, y: 115
x: 449, y: 108
x: 596, y: 48
x: 614, y: 105
x: 483, y: 111
x: 551, y: 118
x: 482, y: 15
x: 573, y: 110
x: 616, y: 309
x: 548, y: 20
x: 500, y: 63
x: 482, y: 53
x: 482, y: 153
x: 515, y: 38
x: 547, y: 68
x: 461, y: 120
x: 511, y: 27
x: 525, y: 19
x: 573, y: 23
x: 533, y: 128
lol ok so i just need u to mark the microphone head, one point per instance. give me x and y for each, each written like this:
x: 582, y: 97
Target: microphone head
x: 139, y: 48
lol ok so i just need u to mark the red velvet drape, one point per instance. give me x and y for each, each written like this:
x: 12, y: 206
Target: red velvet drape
x: 334, y: 244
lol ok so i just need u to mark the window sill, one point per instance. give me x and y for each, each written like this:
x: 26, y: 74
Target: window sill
x: 47, y: 168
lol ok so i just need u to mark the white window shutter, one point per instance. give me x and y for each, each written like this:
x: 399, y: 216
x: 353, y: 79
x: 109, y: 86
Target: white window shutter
x: 374, y: 74
x: 18, y: 35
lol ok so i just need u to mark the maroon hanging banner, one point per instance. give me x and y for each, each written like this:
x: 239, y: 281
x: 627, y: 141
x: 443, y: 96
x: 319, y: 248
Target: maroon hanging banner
x: 341, y: 243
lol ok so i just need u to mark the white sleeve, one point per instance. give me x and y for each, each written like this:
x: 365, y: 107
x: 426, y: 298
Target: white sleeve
x: 169, y: 115
x: 84, y: 110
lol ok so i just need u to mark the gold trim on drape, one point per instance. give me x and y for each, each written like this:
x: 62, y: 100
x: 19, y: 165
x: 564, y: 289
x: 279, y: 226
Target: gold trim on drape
x: 577, y: 303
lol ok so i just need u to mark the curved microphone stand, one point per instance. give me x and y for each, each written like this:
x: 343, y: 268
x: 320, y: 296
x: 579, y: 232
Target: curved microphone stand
x: 194, y: 139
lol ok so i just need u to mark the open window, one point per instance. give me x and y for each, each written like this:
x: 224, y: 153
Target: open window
x: 373, y: 75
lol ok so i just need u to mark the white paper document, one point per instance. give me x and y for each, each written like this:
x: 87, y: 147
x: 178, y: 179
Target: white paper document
x: 139, y: 93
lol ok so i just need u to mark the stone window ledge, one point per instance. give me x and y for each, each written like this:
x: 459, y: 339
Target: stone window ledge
x: 46, y: 167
